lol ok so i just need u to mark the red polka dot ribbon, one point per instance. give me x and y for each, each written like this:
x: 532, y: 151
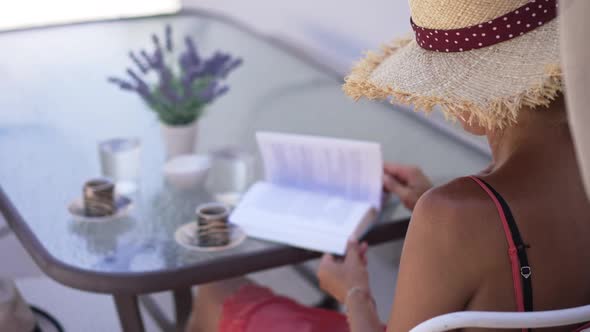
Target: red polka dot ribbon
x: 511, y: 25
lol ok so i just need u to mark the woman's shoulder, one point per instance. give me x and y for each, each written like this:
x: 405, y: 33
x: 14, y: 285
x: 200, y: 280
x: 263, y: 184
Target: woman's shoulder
x: 459, y: 209
x: 454, y: 229
x: 458, y: 199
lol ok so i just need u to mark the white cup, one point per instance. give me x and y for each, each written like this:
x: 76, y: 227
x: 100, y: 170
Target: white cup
x: 231, y: 173
x: 120, y: 160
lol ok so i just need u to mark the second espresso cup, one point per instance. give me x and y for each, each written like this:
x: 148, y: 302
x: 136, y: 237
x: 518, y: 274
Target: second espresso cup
x: 99, y: 198
x: 213, y: 228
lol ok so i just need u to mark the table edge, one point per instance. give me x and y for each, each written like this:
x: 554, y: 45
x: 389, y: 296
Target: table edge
x: 154, y: 281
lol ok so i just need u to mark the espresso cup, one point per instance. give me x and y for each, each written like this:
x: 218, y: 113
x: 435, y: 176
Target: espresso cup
x: 99, y: 198
x: 213, y: 228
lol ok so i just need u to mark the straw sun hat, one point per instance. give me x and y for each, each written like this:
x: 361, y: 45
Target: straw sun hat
x: 478, y: 60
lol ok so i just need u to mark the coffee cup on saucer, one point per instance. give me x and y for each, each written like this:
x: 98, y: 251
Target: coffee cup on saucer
x: 99, y: 198
x: 213, y: 225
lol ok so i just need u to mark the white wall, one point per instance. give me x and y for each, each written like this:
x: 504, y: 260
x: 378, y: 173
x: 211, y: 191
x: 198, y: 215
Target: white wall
x: 19, y: 14
x: 335, y: 32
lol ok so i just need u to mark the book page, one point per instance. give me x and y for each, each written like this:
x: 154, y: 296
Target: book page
x: 347, y: 168
x: 304, y: 219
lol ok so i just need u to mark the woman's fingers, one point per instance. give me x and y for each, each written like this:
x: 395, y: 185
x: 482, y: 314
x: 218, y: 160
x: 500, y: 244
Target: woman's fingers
x: 327, y: 259
x: 394, y: 186
x: 403, y: 172
x: 354, y: 253
x: 408, y: 182
x: 364, y: 248
x: 338, y: 277
x: 352, y: 248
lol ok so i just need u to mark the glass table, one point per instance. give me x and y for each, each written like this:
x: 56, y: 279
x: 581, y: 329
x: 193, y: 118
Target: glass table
x: 56, y: 105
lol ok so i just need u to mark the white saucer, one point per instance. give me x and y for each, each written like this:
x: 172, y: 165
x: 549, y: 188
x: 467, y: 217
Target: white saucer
x: 185, y: 236
x: 122, y: 203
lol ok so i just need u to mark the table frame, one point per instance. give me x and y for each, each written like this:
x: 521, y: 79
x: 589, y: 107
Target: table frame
x: 126, y: 287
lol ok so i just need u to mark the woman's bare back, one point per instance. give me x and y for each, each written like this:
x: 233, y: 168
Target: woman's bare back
x: 546, y: 197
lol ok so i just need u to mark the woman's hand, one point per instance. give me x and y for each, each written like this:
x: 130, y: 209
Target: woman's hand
x: 408, y: 182
x: 337, y: 277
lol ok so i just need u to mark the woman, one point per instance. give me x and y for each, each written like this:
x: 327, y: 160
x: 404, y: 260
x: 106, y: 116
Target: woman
x: 512, y: 238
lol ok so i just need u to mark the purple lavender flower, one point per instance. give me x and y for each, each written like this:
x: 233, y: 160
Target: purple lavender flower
x: 187, y: 84
x: 138, y: 81
x: 220, y: 65
x: 146, y: 57
x: 211, y: 65
x: 169, y: 37
x: 211, y: 92
x: 207, y: 94
x: 165, y: 85
x: 138, y: 63
x: 157, y: 59
x: 177, y: 98
x: 156, y: 41
x: 193, y: 74
x: 124, y: 85
x: 194, y: 57
x: 231, y: 66
x: 184, y: 61
x: 221, y: 91
x: 145, y: 93
x: 114, y: 80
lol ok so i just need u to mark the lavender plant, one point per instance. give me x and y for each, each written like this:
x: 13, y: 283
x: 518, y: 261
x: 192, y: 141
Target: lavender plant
x: 181, y: 89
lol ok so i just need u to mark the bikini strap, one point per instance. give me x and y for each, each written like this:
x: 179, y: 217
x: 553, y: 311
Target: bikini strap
x: 521, y: 270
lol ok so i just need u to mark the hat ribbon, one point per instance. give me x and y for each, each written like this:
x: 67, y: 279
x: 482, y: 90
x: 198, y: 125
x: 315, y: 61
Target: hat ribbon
x: 508, y: 26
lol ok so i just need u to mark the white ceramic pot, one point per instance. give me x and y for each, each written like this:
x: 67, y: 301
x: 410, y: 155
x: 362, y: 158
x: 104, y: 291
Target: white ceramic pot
x: 179, y: 140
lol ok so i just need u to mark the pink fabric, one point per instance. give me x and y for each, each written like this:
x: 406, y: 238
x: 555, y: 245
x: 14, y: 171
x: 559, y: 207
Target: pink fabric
x: 257, y: 309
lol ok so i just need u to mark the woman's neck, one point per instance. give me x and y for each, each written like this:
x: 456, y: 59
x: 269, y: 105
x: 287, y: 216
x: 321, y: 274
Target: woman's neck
x: 539, y: 133
x: 504, y: 145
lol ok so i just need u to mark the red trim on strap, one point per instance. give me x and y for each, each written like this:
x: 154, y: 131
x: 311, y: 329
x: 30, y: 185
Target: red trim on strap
x: 512, y: 252
x: 510, y: 25
x: 585, y: 326
x: 515, y: 264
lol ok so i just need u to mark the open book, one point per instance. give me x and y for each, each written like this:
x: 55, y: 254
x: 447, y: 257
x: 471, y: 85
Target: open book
x: 317, y: 192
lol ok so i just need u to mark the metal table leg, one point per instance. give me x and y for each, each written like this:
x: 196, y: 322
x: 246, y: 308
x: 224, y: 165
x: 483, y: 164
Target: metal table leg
x: 154, y: 310
x: 183, y: 298
x: 129, y: 315
x: 327, y: 302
